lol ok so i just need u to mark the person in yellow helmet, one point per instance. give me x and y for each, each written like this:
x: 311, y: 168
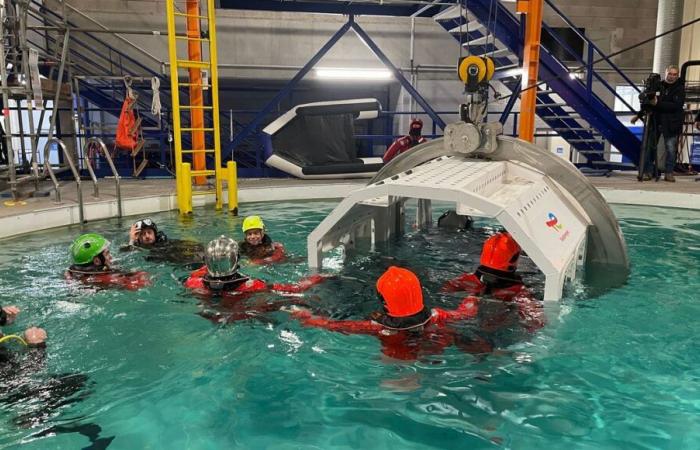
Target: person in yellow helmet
x: 258, y: 245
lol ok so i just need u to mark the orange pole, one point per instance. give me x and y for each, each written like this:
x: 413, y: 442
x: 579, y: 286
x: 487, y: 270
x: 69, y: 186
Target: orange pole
x: 531, y: 63
x: 194, y: 53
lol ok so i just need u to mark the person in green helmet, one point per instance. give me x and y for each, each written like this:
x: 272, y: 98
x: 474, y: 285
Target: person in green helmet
x: 258, y: 245
x: 92, y: 264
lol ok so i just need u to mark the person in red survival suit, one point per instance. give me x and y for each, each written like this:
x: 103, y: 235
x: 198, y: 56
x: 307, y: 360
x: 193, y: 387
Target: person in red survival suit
x: 220, y: 277
x: 406, y: 328
x: 258, y: 245
x: 497, y: 277
x: 92, y: 265
x: 405, y: 143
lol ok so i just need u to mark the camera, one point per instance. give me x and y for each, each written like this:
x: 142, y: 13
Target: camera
x: 652, y: 87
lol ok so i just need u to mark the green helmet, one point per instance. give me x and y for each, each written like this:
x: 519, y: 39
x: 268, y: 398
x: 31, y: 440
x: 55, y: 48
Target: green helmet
x: 86, y: 247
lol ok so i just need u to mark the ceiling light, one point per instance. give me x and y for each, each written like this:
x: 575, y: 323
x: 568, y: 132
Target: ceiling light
x: 340, y: 73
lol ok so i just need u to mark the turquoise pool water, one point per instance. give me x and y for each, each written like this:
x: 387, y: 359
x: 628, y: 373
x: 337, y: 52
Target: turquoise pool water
x: 618, y: 371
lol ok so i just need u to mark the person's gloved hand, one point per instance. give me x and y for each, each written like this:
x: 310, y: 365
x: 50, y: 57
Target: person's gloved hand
x: 35, y: 336
x: 11, y: 313
x: 134, y: 232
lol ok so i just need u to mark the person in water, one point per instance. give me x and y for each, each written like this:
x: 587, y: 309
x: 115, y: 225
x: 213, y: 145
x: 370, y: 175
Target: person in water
x: 144, y: 234
x: 92, y: 265
x: 257, y: 244
x: 32, y: 336
x: 497, y: 277
x: 406, y: 328
x: 220, y: 279
x: 39, y: 398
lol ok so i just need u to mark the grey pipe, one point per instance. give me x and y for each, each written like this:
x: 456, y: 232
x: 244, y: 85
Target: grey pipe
x: 667, y: 48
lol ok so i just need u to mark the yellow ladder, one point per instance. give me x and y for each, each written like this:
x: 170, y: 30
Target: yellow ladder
x: 189, y: 34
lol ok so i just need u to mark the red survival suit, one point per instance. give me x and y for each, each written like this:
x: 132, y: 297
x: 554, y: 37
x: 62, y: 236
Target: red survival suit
x: 232, y: 306
x: 241, y: 284
x: 496, y: 277
x: 267, y: 252
x: 405, y: 143
x: 407, y: 330
x: 109, y: 278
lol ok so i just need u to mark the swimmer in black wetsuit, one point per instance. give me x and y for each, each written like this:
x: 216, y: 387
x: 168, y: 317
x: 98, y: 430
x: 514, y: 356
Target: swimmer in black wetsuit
x: 144, y: 234
x: 40, y: 399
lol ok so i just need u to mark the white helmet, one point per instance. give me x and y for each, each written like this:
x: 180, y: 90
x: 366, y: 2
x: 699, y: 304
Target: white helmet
x: 221, y: 257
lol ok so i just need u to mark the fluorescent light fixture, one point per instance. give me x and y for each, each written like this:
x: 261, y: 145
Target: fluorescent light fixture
x: 341, y: 73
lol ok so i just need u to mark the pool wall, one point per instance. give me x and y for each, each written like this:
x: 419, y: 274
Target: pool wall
x: 67, y: 213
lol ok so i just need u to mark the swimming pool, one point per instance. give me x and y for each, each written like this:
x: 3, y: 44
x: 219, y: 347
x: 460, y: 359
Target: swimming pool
x: 617, y: 371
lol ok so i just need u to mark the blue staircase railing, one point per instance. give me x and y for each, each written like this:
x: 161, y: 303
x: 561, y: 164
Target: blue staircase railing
x: 577, y: 94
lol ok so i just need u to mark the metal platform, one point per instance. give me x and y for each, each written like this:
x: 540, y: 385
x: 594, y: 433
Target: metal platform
x: 548, y: 223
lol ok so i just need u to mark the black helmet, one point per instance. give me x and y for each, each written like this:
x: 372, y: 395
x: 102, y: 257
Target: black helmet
x: 145, y: 224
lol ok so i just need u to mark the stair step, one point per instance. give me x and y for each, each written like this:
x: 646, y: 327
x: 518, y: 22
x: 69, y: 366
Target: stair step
x: 206, y: 150
x: 590, y: 152
x: 206, y: 192
x: 507, y: 67
x: 450, y: 13
x: 196, y: 129
x: 140, y: 168
x: 497, y: 53
x: 135, y: 127
x: 194, y: 16
x: 480, y: 41
x: 588, y: 141
x: 137, y: 149
x: 551, y: 105
x: 615, y: 164
x: 570, y: 116
x: 186, y: 64
x: 473, y: 25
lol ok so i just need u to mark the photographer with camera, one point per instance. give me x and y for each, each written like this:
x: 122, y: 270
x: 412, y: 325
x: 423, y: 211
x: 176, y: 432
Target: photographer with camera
x: 647, y: 100
x: 663, y: 103
x: 670, y: 116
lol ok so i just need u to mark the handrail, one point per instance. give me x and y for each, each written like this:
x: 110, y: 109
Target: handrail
x: 595, y: 47
x: 119, y: 36
x: 118, y: 52
x: 101, y: 145
x: 76, y: 175
x: 588, y: 65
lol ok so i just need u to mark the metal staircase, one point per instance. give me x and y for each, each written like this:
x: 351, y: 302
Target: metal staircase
x: 566, y: 103
x: 98, y: 68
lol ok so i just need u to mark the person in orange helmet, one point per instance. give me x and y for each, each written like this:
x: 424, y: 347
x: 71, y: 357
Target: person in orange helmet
x: 497, y: 277
x: 406, y: 328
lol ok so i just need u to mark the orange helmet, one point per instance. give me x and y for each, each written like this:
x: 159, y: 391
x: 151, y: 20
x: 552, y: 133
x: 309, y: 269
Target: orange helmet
x: 401, y: 291
x: 500, y: 252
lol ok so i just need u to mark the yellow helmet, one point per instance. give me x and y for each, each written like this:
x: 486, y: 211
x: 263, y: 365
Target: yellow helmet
x: 253, y: 222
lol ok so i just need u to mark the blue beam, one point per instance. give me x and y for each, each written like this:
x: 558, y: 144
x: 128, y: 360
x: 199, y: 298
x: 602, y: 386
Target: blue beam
x: 364, y: 37
x: 246, y: 132
x: 511, y: 101
x: 347, y: 8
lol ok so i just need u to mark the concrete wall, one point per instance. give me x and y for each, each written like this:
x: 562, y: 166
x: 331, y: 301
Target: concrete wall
x: 290, y: 39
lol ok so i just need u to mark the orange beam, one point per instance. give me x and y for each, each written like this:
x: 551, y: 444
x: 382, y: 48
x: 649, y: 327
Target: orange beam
x: 531, y: 63
x: 194, y: 53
